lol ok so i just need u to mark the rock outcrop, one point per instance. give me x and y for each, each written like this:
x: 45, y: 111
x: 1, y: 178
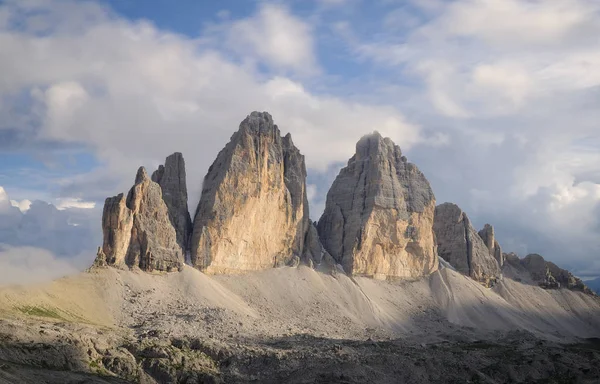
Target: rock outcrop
x: 253, y: 213
x: 172, y: 180
x: 489, y: 238
x: 550, y: 276
x: 459, y: 244
x: 378, y: 216
x: 137, y: 230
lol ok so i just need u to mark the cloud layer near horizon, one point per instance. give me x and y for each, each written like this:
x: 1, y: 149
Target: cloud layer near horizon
x: 495, y: 100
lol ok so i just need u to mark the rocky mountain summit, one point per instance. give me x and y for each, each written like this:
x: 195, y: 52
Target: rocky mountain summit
x: 471, y: 253
x: 379, y: 214
x: 253, y: 213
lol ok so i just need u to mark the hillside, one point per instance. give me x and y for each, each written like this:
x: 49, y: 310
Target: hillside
x: 161, y: 327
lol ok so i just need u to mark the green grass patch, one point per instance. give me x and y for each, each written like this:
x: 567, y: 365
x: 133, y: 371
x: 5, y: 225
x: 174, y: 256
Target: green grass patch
x: 40, y: 312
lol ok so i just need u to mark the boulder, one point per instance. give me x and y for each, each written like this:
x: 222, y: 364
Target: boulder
x: 378, y: 216
x: 253, y: 212
x: 460, y: 245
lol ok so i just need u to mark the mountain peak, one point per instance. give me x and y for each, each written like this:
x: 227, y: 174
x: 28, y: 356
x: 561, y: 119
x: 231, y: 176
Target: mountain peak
x: 379, y: 214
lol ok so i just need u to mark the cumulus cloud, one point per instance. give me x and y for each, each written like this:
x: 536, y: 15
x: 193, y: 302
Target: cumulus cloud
x: 276, y: 37
x: 23, y: 205
x: 69, y: 232
x: 28, y: 265
x: 120, y: 87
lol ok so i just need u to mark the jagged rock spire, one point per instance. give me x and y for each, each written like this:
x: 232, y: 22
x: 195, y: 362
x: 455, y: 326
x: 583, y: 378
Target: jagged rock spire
x: 489, y: 238
x: 172, y: 179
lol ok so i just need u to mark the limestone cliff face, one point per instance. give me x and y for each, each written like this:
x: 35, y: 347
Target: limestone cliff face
x: 137, y: 230
x: 459, y: 244
x: 172, y: 180
x: 378, y: 216
x: 253, y: 213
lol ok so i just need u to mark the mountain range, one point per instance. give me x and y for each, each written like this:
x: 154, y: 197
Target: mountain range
x: 386, y: 286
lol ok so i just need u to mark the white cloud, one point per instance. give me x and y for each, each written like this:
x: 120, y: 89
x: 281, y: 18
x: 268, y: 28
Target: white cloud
x: 536, y: 22
x: 483, y: 58
x: 277, y: 37
x: 23, y: 205
x: 70, y: 202
x: 71, y: 230
x: 4, y: 200
x: 28, y: 265
x: 135, y: 94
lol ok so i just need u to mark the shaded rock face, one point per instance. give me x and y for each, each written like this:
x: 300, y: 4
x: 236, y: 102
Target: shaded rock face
x: 253, y: 213
x: 172, y: 180
x: 550, y: 276
x: 378, y: 215
x: 459, y: 244
x: 489, y: 238
x: 137, y: 230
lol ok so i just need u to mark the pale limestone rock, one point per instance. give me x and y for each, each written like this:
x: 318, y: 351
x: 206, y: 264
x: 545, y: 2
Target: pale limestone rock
x: 459, y: 244
x: 253, y: 213
x: 172, y: 180
x: 378, y: 216
x: 489, y: 238
x: 138, y: 231
x: 117, y: 222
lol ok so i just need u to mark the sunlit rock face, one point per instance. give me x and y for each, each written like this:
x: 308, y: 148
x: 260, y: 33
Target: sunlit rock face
x: 378, y: 218
x: 253, y: 212
x: 137, y: 230
x: 459, y: 244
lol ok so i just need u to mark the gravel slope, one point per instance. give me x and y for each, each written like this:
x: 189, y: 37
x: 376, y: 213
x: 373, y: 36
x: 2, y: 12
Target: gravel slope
x: 155, y: 328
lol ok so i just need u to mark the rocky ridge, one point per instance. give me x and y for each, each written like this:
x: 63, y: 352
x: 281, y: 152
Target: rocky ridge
x: 380, y: 218
x: 545, y: 273
x: 379, y: 214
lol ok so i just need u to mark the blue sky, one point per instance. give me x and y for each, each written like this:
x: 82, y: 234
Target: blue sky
x: 494, y: 100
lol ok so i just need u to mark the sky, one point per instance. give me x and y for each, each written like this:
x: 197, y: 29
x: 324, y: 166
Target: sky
x: 496, y: 101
